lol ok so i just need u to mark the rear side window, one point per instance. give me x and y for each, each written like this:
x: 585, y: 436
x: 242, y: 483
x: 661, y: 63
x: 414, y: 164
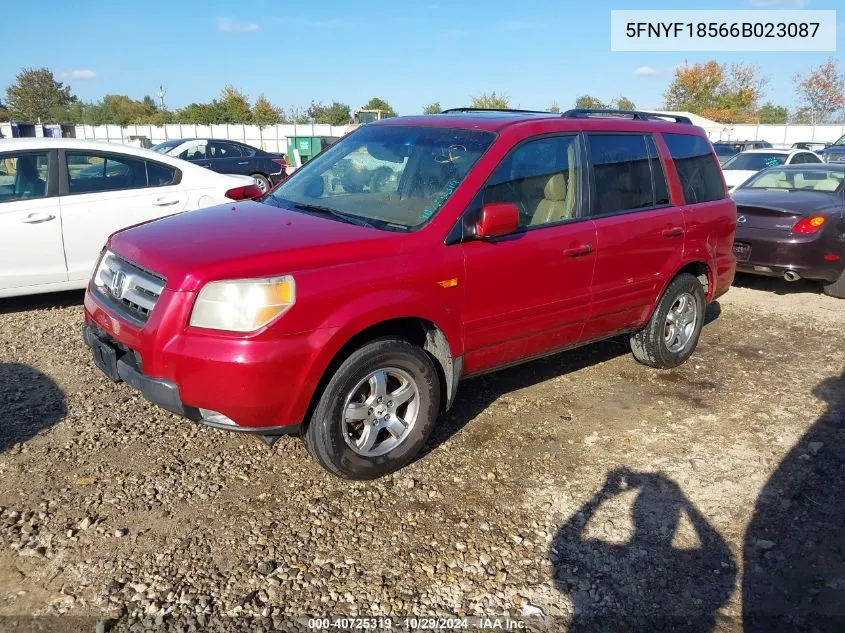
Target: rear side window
x: 90, y: 173
x: 160, y: 175
x: 697, y: 168
x: 622, y: 169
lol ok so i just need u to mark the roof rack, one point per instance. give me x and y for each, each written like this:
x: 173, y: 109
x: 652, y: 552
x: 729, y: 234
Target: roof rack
x: 510, y: 110
x: 586, y: 113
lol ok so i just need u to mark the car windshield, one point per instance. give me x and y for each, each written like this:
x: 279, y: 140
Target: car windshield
x: 387, y: 176
x: 726, y: 149
x: 755, y: 161
x: 840, y: 142
x: 798, y: 180
x: 163, y: 148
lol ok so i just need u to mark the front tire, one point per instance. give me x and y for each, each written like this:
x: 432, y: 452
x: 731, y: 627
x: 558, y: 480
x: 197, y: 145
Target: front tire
x: 376, y: 412
x: 837, y: 288
x: 671, y: 335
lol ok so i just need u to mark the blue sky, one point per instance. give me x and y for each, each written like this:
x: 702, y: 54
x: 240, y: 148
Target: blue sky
x: 410, y: 53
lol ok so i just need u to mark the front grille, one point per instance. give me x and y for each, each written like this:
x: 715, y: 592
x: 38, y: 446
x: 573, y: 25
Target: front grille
x: 131, y: 291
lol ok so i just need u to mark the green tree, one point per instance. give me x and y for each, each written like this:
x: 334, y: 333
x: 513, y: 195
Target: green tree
x: 623, y: 103
x: 265, y: 113
x: 233, y: 106
x: 433, y: 108
x: 491, y: 101
x: 5, y: 115
x: 772, y: 114
x: 716, y: 91
x: 822, y: 91
x: 335, y: 114
x: 589, y: 102
x: 200, y: 113
x: 36, y: 94
x: 554, y: 107
x: 121, y: 110
x: 380, y: 104
x: 296, y: 114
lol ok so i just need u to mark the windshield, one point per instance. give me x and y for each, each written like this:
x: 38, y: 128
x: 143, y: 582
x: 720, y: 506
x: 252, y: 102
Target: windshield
x: 841, y: 141
x: 163, y: 148
x: 798, y: 180
x: 391, y: 177
x: 754, y: 161
x: 727, y: 148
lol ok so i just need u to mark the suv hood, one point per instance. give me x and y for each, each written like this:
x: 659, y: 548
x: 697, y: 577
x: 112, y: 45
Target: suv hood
x: 247, y: 239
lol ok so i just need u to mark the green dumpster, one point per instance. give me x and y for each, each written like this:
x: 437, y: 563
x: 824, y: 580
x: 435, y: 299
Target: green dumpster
x: 307, y: 146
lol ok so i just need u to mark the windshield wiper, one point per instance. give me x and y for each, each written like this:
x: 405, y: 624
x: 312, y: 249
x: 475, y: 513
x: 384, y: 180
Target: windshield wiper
x: 349, y: 219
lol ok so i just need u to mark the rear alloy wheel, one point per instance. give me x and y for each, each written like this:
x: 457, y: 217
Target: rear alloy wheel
x: 837, y: 288
x: 671, y: 335
x: 376, y: 412
x: 262, y: 182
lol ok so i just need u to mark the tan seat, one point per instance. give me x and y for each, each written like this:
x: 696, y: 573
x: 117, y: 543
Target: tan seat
x: 557, y: 203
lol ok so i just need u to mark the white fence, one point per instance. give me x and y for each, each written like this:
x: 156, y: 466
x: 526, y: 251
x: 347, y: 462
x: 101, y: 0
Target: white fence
x: 777, y: 135
x: 272, y: 138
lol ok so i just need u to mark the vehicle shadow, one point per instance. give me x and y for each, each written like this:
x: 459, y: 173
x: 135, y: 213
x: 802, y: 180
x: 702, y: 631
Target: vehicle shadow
x: 476, y: 394
x: 66, y: 299
x: 794, y: 552
x: 30, y: 402
x: 647, y: 583
x: 777, y: 285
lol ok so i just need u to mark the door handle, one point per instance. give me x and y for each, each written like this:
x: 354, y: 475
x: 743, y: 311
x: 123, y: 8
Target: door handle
x: 165, y: 202
x: 674, y: 231
x: 244, y: 162
x: 576, y: 251
x: 38, y: 218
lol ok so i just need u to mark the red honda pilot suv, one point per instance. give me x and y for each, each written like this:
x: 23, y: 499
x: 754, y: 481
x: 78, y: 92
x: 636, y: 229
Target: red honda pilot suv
x: 348, y: 303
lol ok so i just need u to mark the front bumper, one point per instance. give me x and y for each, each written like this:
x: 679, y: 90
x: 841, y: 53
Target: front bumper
x: 261, y: 383
x: 768, y: 253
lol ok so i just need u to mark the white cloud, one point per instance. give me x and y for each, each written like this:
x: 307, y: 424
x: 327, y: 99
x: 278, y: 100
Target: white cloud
x: 225, y: 25
x: 79, y: 74
x: 779, y: 4
x: 645, y: 71
x: 334, y: 23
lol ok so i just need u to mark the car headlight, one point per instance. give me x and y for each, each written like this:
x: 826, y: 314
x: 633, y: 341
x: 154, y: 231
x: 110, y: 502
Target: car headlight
x: 243, y: 305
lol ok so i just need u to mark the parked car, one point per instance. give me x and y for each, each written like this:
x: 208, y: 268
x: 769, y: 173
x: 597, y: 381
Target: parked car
x: 835, y: 152
x: 229, y: 157
x: 742, y: 166
x: 791, y: 224
x: 728, y: 149
x: 351, y: 316
x: 812, y: 146
x: 61, y: 198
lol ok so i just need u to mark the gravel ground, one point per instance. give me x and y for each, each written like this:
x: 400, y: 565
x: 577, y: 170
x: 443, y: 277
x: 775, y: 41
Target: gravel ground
x: 581, y: 491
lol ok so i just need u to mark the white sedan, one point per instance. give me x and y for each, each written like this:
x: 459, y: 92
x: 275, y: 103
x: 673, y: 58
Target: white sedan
x: 741, y: 167
x: 60, y: 199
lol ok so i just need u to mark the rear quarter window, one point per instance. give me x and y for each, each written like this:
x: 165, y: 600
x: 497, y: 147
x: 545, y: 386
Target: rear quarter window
x: 697, y: 168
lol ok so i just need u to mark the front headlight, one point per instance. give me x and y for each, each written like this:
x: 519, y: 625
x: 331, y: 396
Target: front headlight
x: 243, y: 305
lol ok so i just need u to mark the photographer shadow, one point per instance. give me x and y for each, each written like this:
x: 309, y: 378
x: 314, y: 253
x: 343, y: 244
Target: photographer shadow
x: 649, y: 583
x: 30, y: 402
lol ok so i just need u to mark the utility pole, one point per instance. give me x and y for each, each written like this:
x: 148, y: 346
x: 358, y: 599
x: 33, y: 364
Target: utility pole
x: 160, y: 94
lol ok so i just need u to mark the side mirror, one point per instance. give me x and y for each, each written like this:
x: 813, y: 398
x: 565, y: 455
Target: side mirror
x: 497, y: 219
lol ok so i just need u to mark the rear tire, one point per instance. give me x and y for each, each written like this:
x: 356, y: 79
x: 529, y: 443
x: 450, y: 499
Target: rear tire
x: 837, y: 288
x: 262, y: 181
x: 376, y: 412
x: 671, y: 335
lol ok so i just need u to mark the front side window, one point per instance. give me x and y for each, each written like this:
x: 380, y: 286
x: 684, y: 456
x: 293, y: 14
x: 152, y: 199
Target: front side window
x: 698, y: 171
x: 194, y: 152
x: 389, y: 176
x: 622, y: 172
x: 24, y: 176
x: 91, y: 173
x: 542, y: 178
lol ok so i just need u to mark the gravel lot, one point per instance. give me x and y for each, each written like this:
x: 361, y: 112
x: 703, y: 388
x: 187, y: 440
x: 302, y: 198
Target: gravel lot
x: 584, y: 487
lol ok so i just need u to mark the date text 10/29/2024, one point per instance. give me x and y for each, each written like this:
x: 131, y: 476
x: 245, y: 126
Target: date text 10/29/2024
x: 416, y: 624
